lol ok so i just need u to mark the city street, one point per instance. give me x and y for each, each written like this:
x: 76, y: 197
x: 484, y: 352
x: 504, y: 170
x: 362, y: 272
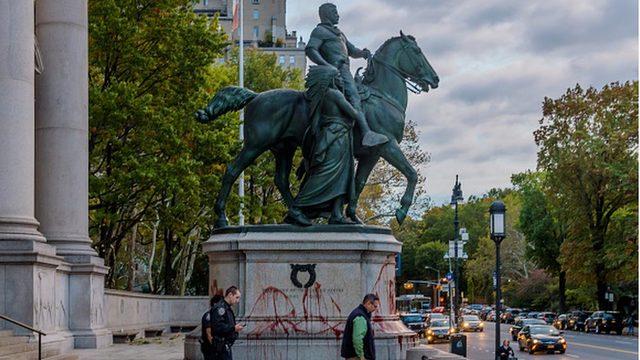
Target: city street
x: 480, y: 346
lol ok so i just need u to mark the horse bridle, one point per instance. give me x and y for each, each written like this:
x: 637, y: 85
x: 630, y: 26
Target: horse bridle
x: 411, y: 86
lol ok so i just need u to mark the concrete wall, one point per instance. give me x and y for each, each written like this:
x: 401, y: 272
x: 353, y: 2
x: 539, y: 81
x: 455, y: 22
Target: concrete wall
x: 128, y: 311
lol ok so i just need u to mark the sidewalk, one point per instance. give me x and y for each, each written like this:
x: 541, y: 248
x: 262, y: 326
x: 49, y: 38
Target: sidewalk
x: 167, y: 347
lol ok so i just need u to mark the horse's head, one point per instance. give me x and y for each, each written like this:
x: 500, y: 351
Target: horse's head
x: 404, y: 54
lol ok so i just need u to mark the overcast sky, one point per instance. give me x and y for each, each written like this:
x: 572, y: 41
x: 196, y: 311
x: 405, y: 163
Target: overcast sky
x: 497, y: 60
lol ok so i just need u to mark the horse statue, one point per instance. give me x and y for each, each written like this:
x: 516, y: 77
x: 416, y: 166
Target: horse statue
x: 277, y: 119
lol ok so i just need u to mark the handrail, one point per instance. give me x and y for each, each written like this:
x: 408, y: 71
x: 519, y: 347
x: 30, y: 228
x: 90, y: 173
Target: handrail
x: 40, y: 333
x: 21, y: 324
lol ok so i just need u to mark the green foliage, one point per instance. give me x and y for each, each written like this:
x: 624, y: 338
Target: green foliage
x: 588, y: 148
x: 154, y: 171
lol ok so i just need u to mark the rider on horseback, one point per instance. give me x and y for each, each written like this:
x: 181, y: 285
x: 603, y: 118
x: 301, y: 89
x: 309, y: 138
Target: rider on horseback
x: 329, y: 46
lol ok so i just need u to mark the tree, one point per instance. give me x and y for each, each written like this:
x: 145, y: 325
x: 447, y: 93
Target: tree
x: 543, y: 231
x: 588, y: 147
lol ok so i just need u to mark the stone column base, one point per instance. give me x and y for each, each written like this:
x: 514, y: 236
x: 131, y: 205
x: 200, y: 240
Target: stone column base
x: 300, y: 284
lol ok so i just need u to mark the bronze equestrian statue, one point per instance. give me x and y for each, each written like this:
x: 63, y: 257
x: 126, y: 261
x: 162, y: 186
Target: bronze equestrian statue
x: 277, y: 120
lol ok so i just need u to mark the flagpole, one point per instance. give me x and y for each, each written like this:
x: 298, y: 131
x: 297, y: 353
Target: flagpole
x: 241, y: 84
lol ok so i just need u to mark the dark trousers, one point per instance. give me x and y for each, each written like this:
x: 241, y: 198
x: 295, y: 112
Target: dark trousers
x: 207, y: 351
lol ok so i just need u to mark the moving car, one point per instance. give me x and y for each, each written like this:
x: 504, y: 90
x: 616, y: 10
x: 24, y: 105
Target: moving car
x: 546, y: 316
x: 414, y: 322
x: 604, y: 322
x: 435, y: 316
x: 577, y: 319
x: 509, y: 315
x: 541, y: 338
x: 519, y: 324
x: 438, y: 331
x: 471, y: 323
x: 561, y: 322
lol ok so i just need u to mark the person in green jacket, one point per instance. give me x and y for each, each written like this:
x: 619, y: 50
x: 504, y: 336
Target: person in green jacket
x: 358, y: 338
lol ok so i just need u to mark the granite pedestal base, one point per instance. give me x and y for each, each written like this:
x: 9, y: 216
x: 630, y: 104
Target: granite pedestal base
x: 300, y: 284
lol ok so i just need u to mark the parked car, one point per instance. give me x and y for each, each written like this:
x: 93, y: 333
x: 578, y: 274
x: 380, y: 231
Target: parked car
x: 519, y: 324
x: 438, y: 330
x: 548, y: 317
x: 561, y: 322
x: 604, y: 322
x: 471, y: 323
x: 414, y: 322
x: 577, y: 319
x: 541, y: 338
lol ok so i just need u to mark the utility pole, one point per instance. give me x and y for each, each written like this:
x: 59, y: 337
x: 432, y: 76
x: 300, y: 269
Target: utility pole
x: 455, y: 197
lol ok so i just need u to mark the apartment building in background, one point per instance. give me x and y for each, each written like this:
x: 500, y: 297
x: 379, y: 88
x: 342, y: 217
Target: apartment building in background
x: 265, y: 28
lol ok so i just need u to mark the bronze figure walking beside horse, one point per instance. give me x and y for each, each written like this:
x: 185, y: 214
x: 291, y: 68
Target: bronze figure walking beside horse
x: 276, y: 120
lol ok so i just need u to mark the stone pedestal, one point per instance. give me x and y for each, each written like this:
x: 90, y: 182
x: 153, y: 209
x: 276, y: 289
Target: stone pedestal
x: 299, y: 285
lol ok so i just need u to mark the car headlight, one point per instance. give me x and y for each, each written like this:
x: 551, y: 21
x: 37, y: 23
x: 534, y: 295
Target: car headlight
x: 535, y: 341
x: 452, y: 330
x: 430, y: 332
x: 481, y: 324
x: 465, y: 324
x: 562, y: 341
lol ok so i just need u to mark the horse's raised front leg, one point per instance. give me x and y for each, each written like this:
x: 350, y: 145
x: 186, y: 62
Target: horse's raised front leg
x: 393, y: 154
x: 284, y: 162
x: 241, y: 162
x: 365, y: 166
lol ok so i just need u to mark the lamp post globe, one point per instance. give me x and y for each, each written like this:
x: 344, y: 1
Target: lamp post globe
x: 497, y: 220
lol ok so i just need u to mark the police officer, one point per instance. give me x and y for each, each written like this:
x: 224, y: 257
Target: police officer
x: 206, y: 339
x: 329, y: 46
x: 225, y: 329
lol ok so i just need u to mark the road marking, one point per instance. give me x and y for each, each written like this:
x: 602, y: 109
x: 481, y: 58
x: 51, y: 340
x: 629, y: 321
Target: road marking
x: 573, y: 356
x: 624, y: 342
x: 603, y: 348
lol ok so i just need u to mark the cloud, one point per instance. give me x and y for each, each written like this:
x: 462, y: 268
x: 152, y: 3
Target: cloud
x: 497, y: 60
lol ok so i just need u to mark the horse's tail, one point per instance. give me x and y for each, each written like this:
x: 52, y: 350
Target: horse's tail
x: 231, y: 98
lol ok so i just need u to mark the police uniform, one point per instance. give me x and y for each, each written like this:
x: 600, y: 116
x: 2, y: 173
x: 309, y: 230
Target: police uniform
x: 224, y: 332
x: 205, y: 345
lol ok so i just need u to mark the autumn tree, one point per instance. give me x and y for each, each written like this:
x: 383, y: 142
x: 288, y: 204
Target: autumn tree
x: 588, y: 147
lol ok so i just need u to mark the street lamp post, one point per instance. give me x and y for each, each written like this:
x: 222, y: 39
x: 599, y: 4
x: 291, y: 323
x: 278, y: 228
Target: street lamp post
x: 455, y: 197
x: 498, y: 232
x: 437, y: 292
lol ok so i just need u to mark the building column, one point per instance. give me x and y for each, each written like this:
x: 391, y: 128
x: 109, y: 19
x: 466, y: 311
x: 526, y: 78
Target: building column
x: 62, y: 165
x: 62, y: 162
x: 27, y: 262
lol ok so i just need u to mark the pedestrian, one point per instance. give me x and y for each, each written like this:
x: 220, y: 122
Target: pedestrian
x: 358, y: 336
x: 224, y: 327
x: 505, y: 350
x: 630, y: 321
x: 206, y: 338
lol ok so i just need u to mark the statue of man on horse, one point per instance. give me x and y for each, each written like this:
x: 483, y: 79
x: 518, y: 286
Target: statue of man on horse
x: 282, y: 120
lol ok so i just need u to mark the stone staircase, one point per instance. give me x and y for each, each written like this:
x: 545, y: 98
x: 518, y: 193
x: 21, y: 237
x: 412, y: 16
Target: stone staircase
x: 15, y: 347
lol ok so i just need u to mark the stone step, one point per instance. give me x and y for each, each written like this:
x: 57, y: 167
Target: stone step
x: 17, y: 348
x: 6, y: 333
x: 10, y: 340
x: 33, y: 355
x: 63, y: 357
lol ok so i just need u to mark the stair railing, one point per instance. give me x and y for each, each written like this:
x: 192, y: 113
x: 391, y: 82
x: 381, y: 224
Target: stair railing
x: 40, y: 333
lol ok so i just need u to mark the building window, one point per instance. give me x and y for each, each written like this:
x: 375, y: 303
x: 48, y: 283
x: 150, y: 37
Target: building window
x: 255, y: 2
x: 256, y: 32
x: 256, y: 14
x: 281, y: 60
x: 205, y: 2
x: 292, y: 59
